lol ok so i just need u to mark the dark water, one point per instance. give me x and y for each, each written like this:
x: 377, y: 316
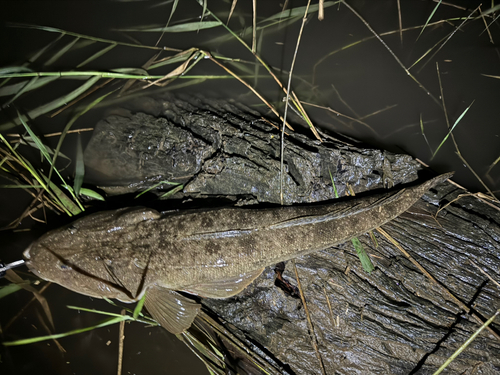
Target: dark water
x: 362, y: 81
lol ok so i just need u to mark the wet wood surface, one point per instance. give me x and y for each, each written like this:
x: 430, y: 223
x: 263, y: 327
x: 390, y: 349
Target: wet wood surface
x: 395, y: 320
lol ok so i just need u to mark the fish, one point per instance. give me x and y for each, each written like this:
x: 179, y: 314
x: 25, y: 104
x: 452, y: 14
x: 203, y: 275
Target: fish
x: 208, y: 253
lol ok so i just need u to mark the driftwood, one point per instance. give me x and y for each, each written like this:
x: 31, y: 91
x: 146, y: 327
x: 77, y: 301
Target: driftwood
x: 218, y: 149
x: 395, y: 320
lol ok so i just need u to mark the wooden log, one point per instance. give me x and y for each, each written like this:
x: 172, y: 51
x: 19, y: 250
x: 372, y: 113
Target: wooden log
x: 395, y: 320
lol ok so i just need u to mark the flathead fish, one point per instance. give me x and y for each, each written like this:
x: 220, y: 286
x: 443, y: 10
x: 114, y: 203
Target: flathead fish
x: 213, y: 253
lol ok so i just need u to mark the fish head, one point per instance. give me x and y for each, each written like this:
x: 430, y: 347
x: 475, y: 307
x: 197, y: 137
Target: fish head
x: 94, y: 256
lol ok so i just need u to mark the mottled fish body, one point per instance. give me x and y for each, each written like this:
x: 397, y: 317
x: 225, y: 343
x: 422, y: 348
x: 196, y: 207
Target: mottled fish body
x: 212, y: 253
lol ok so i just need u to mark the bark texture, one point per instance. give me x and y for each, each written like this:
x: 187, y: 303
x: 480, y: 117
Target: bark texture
x: 392, y: 321
x: 216, y: 148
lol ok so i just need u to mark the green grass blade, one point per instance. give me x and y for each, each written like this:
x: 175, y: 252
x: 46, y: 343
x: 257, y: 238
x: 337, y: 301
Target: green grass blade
x: 146, y: 320
x: 35, y: 139
x: 180, y: 57
x: 83, y: 44
x: 37, y: 55
x: 437, y: 46
x: 374, y: 239
x: 493, y: 9
x: 97, y: 55
x: 33, y: 114
x: 63, y: 198
x: 8, y: 289
x: 155, y: 186
x: 136, y: 71
x: 423, y: 134
x: 181, y: 28
x: 32, y: 340
x: 79, y: 166
x: 172, y: 192
x: 61, y: 52
x: 65, y: 131
x: 94, y: 311
x: 15, y: 69
x: 244, y: 68
x: 276, y: 21
x: 91, y: 194
x: 366, y: 263
x: 298, y: 12
x: 174, y: 7
x: 29, y: 142
x: 113, y: 319
x: 453, y: 127
x: 82, y: 36
x: 203, y: 12
x: 25, y: 86
x: 430, y: 17
x: 333, y: 184
x: 27, y: 165
x: 467, y: 343
x: 81, y: 75
x: 21, y: 186
x: 138, y: 308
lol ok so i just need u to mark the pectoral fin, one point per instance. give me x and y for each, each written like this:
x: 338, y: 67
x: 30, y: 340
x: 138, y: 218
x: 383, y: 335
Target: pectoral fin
x: 224, y: 288
x: 172, y: 310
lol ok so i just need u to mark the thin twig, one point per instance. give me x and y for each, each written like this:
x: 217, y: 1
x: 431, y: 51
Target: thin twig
x: 340, y: 114
x: 304, y: 19
x: 323, y: 59
x: 23, y: 309
x: 31, y: 209
x: 256, y: 56
x: 430, y: 277
x: 487, y: 28
x: 82, y: 96
x: 254, y: 26
x: 479, y: 196
x: 251, y: 88
x: 309, y: 321
x: 95, y: 39
x: 392, y: 53
x: 450, y: 5
x: 237, y: 343
x: 121, y: 338
x: 475, y: 174
x: 447, y: 39
x: 400, y: 22
x: 466, y: 344
x: 488, y: 276
x: 305, y: 116
x: 321, y: 10
x: 49, y: 331
x: 343, y: 101
x: 56, y: 133
x: 332, y: 319
x: 233, y: 5
x: 492, y: 166
x: 453, y: 137
x: 443, y: 103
